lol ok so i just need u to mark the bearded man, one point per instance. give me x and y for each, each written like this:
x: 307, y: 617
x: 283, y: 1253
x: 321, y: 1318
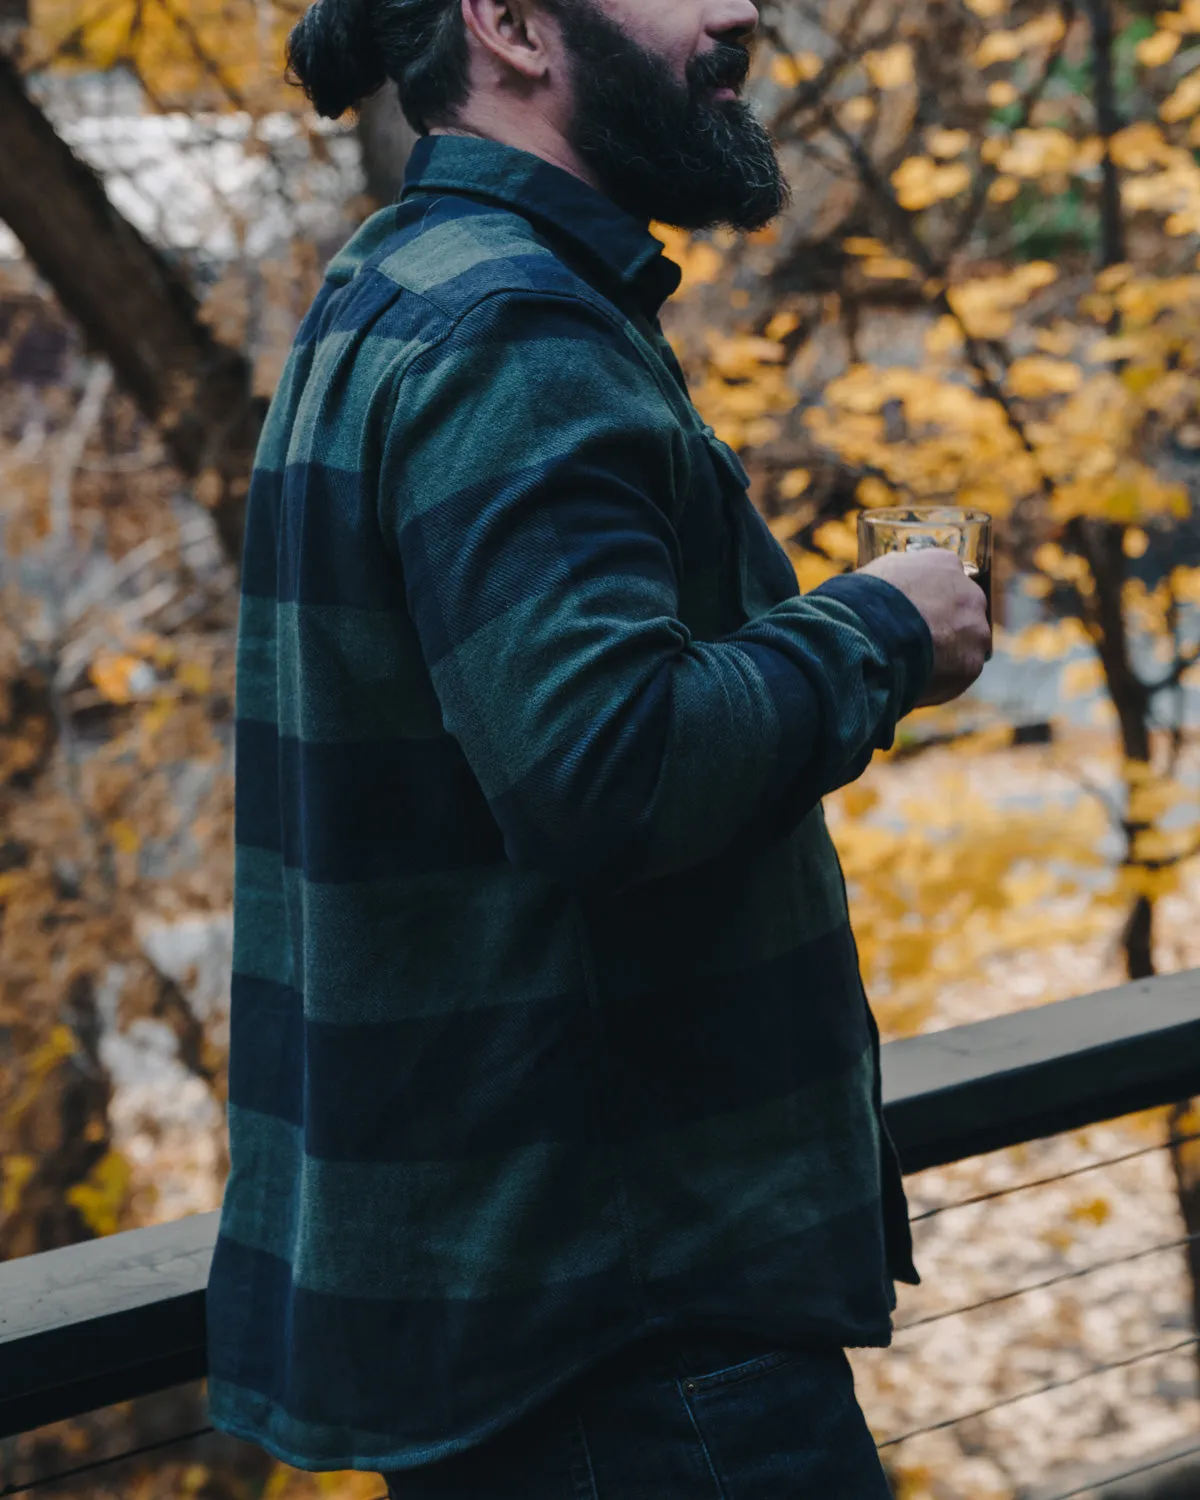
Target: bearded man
x: 559, y: 1166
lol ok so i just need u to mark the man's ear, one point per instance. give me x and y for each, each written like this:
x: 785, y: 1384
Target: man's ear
x: 514, y: 33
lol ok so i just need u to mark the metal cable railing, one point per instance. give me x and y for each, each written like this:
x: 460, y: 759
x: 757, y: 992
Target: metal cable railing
x: 1134, y: 1473
x: 1038, y: 1286
x: 1037, y: 1182
x: 1042, y: 1390
x: 61, y: 1476
x: 78, y: 1471
x: 1107, y: 1263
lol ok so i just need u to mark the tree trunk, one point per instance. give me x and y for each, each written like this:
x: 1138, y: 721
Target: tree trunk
x: 134, y: 308
x: 64, y: 1132
x: 1103, y: 546
x: 14, y: 18
x: 1139, y: 940
x: 385, y: 138
x: 1102, y: 543
x: 1108, y: 124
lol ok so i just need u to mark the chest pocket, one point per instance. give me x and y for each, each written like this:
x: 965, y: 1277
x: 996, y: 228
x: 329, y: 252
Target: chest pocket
x: 733, y: 569
x: 756, y: 573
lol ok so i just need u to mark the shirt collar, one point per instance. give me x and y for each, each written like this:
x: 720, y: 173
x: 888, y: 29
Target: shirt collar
x: 561, y: 201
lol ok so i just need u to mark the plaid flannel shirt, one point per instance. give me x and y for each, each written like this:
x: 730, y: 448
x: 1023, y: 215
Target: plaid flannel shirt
x: 547, y: 1025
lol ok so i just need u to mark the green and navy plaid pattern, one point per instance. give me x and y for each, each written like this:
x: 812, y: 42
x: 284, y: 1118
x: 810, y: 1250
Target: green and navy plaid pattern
x: 547, y: 1024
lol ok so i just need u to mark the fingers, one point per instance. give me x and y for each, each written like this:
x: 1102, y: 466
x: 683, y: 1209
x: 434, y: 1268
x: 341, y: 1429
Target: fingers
x: 960, y: 656
x: 954, y: 607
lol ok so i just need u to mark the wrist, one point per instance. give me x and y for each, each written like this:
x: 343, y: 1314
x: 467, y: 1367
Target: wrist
x: 895, y: 624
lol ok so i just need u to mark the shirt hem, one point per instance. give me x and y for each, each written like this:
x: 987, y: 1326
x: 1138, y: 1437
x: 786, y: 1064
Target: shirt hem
x: 412, y: 1457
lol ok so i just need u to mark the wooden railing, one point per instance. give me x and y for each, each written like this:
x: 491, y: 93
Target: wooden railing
x: 112, y: 1319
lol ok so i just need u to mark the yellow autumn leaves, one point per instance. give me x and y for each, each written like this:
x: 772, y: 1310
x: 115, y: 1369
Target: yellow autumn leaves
x: 956, y: 443
x: 1184, y: 101
x: 1154, y: 51
x: 1082, y: 413
x: 890, y: 67
x: 102, y: 1197
x: 886, y: 67
x: 1051, y: 154
x: 218, y: 53
x: 921, y: 181
x: 1046, y: 30
x: 940, y: 884
x: 959, y: 444
x: 1048, y: 153
x: 1036, y: 375
x: 745, y: 389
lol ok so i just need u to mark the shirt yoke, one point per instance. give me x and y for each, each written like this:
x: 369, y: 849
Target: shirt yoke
x: 453, y: 254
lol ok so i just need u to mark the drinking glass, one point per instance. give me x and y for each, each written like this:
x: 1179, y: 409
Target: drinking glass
x: 905, y: 528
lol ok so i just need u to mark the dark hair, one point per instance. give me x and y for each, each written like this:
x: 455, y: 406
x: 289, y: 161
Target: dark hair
x: 343, y: 51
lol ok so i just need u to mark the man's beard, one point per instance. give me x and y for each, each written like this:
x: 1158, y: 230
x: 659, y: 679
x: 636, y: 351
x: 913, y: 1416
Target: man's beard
x: 662, y: 149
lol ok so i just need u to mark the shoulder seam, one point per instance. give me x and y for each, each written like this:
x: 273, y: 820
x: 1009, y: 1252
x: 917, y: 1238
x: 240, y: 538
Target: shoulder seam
x: 495, y: 210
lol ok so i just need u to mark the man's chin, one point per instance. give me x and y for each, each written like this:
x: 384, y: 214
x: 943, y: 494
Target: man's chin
x: 731, y: 211
x: 734, y: 219
x: 721, y: 172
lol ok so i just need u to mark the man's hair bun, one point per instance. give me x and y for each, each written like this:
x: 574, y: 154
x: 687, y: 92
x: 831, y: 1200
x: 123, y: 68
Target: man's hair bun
x: 332, y: 54
x: 343, y: 51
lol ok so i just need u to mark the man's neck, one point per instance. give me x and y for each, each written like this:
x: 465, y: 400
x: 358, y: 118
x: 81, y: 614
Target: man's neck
x: 534, y: 133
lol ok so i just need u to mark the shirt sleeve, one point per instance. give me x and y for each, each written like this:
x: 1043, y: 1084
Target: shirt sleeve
x: 528, y: 478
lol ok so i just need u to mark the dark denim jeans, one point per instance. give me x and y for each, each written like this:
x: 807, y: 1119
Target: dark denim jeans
x: 706, y: 1419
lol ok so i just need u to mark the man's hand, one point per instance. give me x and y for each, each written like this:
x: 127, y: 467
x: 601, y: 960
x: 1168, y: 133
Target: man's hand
x: 954, y: 608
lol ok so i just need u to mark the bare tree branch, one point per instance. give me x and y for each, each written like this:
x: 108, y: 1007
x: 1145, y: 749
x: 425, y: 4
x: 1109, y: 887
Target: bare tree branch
x: 198, y: 50
x: 1108, y: 123
x: 70, y: 451
x: 1167, y: 862
x: 848, y: 51
x: 1183, y: 664
x: 902, y: 223
x: 134, y: 308
x: 989, y: 171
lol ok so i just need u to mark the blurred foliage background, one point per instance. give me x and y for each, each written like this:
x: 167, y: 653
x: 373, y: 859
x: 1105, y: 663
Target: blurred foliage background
x: 986, y: 291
